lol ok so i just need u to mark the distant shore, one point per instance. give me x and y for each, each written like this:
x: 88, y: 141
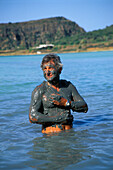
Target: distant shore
x: 26, y: 52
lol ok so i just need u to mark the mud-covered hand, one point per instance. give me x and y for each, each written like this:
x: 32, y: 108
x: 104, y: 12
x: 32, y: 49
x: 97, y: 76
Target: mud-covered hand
x: 59, y: 100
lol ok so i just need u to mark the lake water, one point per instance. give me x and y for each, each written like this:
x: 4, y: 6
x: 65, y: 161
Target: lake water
x: 88, y: 145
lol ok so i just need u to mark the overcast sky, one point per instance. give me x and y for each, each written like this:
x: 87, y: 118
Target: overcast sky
x: 89, y: 14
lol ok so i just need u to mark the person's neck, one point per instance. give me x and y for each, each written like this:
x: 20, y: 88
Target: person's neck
x: 54, y: 84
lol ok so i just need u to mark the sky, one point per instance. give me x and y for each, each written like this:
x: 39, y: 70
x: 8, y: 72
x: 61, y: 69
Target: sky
x: 88, y: 14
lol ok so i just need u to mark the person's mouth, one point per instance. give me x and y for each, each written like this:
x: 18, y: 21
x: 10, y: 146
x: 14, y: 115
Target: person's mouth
x: 50, y: 75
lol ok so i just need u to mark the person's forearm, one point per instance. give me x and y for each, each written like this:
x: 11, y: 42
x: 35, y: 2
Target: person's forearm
x: 79, y: 106
x: 41, y: 118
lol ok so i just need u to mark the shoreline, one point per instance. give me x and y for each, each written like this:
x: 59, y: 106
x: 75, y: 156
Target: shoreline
x: 26, y: 52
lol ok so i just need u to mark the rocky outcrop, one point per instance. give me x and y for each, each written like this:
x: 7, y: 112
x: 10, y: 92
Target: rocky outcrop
x: 33, y: 33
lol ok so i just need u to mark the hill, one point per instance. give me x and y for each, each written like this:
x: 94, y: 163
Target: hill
x: 63, y: 34
x: 30, y: 34
x: 101, y: 39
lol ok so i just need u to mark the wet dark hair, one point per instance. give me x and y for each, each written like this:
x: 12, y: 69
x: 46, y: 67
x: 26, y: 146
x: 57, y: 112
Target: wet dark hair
x: 55, y: 58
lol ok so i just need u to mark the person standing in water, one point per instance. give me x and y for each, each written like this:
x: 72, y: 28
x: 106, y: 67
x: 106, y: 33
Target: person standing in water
x: 53, y: 100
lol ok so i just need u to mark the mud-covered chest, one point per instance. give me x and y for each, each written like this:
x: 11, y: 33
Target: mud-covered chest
x: 63, y: 92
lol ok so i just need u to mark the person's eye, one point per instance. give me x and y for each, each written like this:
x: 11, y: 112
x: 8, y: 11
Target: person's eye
x: 44, y: 68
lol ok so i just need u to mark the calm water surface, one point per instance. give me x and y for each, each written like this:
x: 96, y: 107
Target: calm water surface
x: 88, y: 145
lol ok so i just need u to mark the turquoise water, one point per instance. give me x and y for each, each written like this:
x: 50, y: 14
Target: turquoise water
x: 90, y: 142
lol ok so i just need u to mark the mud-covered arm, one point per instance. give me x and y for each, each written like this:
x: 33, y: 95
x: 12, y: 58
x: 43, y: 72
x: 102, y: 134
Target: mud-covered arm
x: 78, y: 104
x: 36, y: 111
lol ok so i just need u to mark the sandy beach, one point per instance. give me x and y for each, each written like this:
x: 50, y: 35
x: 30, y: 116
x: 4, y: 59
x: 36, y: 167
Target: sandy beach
x: 62, y: 50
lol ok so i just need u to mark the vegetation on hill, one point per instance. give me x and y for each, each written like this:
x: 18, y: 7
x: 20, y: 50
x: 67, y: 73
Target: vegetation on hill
x: 96, y: 39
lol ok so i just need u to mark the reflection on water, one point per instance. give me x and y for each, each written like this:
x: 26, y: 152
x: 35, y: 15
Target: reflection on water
x: 59, y: 150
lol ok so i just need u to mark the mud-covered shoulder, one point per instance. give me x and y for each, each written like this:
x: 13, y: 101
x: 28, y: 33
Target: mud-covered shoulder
x: 65, y: 83
x: 39, y: 90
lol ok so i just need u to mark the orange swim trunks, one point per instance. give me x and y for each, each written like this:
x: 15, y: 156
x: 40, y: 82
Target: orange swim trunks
x: 55, y: 128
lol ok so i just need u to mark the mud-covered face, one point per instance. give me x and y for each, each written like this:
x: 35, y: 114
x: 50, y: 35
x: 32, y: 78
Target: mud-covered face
x: 50, y: 71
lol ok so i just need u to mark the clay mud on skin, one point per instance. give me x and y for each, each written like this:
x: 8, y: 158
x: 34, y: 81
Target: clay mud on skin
x: 50, y: 71
x: 52, y: 100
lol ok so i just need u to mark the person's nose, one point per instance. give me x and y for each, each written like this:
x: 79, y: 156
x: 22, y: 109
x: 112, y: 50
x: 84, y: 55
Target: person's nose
x: 47, y: 68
